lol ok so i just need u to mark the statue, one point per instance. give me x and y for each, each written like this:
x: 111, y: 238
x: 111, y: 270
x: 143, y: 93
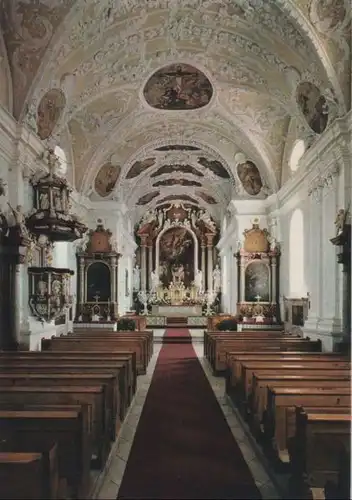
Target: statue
x: 19, y: 217
x: 340, y: 221
x: 44, y: 201
x: 216, y: 278
x: 194, y: 218
x: 205, y: 217
x: 84, y: 242
x: 154, y: 281
x: 198, y: 280
x: 160, y: 218
x: 136, y: 278
x: 148, y: 217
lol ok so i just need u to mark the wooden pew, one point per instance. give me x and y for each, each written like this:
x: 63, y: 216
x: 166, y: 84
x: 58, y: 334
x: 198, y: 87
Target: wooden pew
x: 98, y: 356
x: 74, y: 343
x: 109, y: 410
x: 260, y: 383
x: 222, y: 346
x: 93, y: 397
x: 320, y: 456
x: 67, y: 428
x: 117, y: 390
x: 276, y: 429
x: 147, y: 335
x: 30, y: 475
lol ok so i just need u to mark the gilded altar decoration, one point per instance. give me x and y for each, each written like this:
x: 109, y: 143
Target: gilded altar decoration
x: 178, y: 87
x: 106, y: 179
x: 258, y: 271
x: 313, y: 105
x: 97, y: 290
x: 49, y: 112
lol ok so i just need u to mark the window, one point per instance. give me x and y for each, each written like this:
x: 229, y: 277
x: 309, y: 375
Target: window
x: 60, y: 153
x: 296, y: 256
x: 296, y: 154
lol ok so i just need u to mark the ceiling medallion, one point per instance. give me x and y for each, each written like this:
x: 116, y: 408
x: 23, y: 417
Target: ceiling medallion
x: 178, y: 87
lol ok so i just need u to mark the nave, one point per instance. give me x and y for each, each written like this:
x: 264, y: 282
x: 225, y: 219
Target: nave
x: 182, y: 439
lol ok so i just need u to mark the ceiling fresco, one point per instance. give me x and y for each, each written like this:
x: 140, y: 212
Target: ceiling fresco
x: 137, y: 79
x: 176, y: 182
x: 206, y: 197
x: 106, y: 179
x: 215, y: 166
x: 177, y: 147
x: 170, y: 169
x: 178, y: 87
x: 139, y: 167
x: 147, y: 198
x: 175, y: 197
x: 249, y: 175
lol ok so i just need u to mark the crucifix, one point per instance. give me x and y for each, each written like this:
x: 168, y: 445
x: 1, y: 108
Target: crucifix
x: 258, y: 297
x: 96, y: 297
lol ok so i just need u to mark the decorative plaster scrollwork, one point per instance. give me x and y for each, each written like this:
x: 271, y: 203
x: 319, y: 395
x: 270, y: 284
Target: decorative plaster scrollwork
x: 325, y: 180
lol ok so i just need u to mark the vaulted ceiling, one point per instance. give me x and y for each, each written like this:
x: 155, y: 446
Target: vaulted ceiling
x: 104, y: 59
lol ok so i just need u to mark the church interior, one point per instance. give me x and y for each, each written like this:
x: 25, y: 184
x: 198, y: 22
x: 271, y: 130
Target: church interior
x: 175, y: 249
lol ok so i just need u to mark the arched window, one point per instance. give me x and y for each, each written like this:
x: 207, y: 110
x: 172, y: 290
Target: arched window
x: 296, y: 154
x: 60, y: 153
x: 296, y: 256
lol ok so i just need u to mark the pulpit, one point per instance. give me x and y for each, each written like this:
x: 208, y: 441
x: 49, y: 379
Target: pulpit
x: 97, y: 294
x: 258, y: 277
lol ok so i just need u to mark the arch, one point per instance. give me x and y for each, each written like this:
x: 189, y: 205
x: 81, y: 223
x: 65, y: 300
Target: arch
x: 157, y: 249
x: 298, y: 150
x: 60, y: 153
x: 296, y: 254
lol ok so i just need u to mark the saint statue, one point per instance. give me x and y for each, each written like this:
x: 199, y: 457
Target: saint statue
x: 198, y: 280
x: 216, y: 278
x: 154, y: 281
x: 340, y: 221
x: 19, y: 217
x: 160, y: 218
x: 136, y: 278
x: 205, y: 217
x: 44, y: 201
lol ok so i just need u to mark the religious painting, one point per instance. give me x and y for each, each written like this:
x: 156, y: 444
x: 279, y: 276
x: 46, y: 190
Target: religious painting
x: 257, y: 282
x: 170, y: 169
x: 206, y: 197
x: 177, y: 182
x: 249, y: 175
x: 178, y: 87
x: 313, y: 106
x: 140, y: 166
x: 327, y: 15
x: 49, y: 112
x: 177, y: 147
x: 106, y: 179
x: 178, y: 197
x: 214, y: 166
x: 147, y: 198
x: 98, y: 283
x: 176, y: 256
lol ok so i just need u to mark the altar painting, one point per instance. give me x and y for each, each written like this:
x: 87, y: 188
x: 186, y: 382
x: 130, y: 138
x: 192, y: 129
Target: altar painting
x: 176, y: 258
x: 257, y: 285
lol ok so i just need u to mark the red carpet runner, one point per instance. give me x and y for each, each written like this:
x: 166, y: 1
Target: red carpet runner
x: 183, y: 447
x: 177, y: 332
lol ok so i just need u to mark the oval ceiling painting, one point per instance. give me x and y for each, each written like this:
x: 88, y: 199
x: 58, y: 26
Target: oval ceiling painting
x: 49, y: 112
x: 178, y: 86
x: 313, y: 106
x: 250, y: 177
x: 106, y: 179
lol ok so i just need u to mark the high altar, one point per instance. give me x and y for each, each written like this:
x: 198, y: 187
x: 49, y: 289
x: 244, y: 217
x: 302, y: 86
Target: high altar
x: 176, y: 254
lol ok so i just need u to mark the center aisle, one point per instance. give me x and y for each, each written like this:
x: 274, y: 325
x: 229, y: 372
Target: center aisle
x: 183, y: 447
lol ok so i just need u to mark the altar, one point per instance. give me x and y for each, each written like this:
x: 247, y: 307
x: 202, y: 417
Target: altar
x: 177, y: 310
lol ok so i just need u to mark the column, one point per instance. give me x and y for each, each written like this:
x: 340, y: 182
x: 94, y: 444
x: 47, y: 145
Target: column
x: 81, y: 298
x: 203, y: 262
x: 143, y: 264
x: 150, y: 264
x: 210, y: 238
x: 114, y: 294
